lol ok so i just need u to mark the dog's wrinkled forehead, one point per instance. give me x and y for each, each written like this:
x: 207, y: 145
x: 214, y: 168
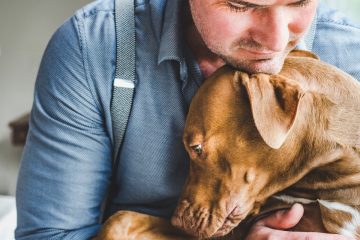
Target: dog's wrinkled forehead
x: 226, y: 99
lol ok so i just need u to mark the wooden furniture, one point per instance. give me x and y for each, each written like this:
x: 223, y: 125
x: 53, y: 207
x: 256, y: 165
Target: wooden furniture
x: 20, y: 127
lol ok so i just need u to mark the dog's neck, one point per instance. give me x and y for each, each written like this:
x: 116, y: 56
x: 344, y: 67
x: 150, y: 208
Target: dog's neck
x: 328, y: 161
x: 333, y: 132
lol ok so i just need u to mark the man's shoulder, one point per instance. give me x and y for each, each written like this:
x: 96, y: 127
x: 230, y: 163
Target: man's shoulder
x: 95, y: 7
x: 332, y: 17
x: 100, y: 6
x: 337, y: 40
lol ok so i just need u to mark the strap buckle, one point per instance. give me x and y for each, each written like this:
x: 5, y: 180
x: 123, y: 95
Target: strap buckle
x: 124, y: 83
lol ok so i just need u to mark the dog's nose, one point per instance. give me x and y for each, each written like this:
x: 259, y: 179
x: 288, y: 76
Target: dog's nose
x: 175, y: 221
x: 193, y: 219
x: 180, y: 223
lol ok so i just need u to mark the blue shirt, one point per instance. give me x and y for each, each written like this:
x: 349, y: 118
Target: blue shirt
x: 66, y: 165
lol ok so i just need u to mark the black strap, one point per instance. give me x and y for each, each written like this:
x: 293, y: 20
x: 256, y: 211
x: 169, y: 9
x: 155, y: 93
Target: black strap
x: 123, y: 84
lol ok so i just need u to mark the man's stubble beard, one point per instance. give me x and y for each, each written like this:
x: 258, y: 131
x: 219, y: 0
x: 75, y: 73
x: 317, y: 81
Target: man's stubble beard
x: 269, y: 66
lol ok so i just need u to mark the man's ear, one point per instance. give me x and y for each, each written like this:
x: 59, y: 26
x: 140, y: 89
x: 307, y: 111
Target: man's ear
x: 303, y: 53
x: 274, y: 104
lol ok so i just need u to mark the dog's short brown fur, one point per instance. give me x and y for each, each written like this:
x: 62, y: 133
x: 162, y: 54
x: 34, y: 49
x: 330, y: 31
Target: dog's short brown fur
x: 295, y: 134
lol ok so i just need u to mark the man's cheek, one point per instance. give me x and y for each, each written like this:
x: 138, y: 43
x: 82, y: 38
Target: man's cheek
x: 302, y: 19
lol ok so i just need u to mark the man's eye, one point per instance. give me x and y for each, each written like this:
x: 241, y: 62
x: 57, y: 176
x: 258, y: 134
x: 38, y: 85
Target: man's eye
x: 237, y: 7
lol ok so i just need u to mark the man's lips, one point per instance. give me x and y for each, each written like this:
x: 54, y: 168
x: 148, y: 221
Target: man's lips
x: 259, y: 55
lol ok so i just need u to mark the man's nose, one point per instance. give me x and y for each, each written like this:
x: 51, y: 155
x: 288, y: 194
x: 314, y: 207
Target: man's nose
x: 271, y: 28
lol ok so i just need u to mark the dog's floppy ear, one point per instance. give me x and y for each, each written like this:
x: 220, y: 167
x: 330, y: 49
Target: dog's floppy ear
x: 274, y: 104
x: 303, y: 53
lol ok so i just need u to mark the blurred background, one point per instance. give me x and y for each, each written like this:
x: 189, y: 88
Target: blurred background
x: 25, y: 28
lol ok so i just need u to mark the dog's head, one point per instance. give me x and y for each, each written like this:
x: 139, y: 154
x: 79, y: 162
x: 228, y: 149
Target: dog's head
x: 239, y: 137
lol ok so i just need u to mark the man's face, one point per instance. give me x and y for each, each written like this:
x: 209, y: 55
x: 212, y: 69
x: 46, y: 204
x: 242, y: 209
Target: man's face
x: 252, y: 35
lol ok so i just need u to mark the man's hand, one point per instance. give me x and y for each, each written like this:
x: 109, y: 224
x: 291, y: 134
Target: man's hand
x: 273, y: 226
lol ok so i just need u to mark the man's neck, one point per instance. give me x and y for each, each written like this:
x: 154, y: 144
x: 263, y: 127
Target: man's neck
x: 207, y: 60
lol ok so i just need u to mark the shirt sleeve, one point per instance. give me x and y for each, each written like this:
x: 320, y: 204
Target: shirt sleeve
x: 66, y: 163
x: 337, y: 41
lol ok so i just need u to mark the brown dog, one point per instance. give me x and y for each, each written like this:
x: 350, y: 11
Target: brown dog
x: 252, y: 136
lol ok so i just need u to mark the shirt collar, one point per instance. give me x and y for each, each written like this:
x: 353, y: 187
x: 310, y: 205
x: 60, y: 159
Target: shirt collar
x: 171, y: 40
x: 307, y: 42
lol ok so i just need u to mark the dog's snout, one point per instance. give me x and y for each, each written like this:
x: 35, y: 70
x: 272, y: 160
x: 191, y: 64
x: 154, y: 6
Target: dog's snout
x: 176, y: 221
x: 195, y: 219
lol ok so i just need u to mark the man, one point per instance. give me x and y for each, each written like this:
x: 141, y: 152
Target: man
x: 66, y: 166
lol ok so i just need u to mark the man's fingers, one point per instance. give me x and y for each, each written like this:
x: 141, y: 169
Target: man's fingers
x: 272, y: 227
x: 283, y: 219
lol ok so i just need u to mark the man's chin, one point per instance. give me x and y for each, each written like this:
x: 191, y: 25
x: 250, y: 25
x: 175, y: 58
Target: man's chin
x: 251, y: 66
x: 268, y: 66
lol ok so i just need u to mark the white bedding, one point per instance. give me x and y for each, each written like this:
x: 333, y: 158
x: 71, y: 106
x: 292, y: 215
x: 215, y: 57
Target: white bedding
x: 7, y: 217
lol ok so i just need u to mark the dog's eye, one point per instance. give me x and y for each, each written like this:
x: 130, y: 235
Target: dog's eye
x: 197, y: 148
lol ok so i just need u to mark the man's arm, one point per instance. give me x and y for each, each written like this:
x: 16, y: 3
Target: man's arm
x: 66, y: 163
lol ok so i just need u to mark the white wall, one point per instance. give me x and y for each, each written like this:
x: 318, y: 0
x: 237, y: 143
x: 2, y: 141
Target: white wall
x: 25, y: 28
